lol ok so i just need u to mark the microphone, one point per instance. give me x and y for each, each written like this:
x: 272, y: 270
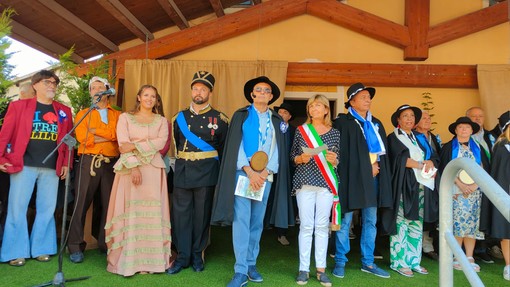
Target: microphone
x: 108, y: 92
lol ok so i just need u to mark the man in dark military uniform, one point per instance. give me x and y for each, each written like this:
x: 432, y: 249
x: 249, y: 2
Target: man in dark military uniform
x: 199, y: 135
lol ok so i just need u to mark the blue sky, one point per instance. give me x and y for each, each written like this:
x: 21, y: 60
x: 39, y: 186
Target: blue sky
x: 26, y: 59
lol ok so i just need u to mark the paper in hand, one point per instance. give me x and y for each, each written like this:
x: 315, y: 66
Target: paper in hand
x: 428, y: 174
x: 314, y: 151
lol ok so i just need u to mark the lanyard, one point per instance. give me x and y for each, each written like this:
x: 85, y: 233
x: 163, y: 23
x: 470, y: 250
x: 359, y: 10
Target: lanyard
x: 263, y: 139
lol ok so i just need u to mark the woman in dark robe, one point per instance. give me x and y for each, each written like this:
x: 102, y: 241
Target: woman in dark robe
x: 500, y: 171
x: 413, y: 170
x: 467, y: 196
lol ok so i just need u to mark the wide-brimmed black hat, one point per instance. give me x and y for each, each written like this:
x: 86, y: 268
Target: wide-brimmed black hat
x: 356, y: 88
x: 286, y: 106
x: 396, y: 114
x: 248, y: 88
x: 464, y: 120
x: 205, y: 78
x: 504, y: 120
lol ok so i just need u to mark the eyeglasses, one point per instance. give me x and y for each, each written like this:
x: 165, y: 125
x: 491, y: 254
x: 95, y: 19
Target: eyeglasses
x: 47, y: 83
x: 260, y: 90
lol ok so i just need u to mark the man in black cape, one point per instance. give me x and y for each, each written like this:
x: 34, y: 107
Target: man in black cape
x: 246, y: 215
x: 364, y: 174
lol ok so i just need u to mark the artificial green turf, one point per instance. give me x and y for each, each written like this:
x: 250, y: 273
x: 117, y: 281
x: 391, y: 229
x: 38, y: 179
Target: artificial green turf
x: 278, y: 264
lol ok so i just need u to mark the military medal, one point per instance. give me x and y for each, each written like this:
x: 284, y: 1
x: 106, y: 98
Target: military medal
x: 213, y: 126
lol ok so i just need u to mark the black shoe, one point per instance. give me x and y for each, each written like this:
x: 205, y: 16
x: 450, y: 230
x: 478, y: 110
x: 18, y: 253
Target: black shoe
x: 484, y: 257
x: 198, y: 266
x: 174, y: 269
x: 432, y: 255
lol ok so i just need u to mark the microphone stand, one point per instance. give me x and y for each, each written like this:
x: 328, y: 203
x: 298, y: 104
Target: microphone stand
x: 70, y: 141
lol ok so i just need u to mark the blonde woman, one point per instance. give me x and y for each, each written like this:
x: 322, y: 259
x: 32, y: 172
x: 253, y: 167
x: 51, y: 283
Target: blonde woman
x: 316, y: 185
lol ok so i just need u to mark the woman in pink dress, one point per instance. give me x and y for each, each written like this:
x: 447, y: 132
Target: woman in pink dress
x: 138, y: 220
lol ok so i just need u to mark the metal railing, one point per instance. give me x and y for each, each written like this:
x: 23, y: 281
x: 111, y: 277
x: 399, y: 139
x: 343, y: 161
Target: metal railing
x: 447, y: 242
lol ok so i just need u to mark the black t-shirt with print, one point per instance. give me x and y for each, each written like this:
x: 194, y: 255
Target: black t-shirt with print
x: 43, y: 138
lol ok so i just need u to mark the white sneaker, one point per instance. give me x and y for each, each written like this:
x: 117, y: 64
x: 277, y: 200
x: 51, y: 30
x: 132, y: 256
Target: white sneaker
x: 506, y: 272
x: 283, y: 240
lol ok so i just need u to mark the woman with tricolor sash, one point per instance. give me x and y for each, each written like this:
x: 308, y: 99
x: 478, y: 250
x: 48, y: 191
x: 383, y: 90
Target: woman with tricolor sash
x: 413, y: 166
x: 316, y: 185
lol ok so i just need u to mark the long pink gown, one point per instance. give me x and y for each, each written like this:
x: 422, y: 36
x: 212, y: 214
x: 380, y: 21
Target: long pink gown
x: 138, y: 221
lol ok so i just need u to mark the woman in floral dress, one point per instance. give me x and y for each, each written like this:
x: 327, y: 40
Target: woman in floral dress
x: 467, y: 196
x: 413, y: 166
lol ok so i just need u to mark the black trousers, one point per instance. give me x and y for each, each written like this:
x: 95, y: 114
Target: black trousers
x: 85, y: 189
x: 191, y: 216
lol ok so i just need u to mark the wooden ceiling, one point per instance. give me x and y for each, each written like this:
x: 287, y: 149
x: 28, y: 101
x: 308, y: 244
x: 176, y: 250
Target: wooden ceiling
x: 95, y: 27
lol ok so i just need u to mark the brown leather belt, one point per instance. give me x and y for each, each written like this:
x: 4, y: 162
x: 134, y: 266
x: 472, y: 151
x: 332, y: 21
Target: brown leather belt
x: 196, y: 155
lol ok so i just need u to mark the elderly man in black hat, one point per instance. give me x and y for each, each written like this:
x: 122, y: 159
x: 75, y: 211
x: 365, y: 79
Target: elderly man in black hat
x: 485, y: 140
x: 253, y: 153
x: 199, y: 134
x: 364, y: 175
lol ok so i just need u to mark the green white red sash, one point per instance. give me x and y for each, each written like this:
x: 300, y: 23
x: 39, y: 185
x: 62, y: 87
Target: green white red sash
x: 313, y: 140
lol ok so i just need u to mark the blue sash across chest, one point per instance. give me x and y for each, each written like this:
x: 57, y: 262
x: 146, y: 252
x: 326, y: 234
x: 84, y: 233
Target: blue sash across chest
x: 191, y: 137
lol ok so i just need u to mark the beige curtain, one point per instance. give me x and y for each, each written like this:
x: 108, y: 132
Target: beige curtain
x: 494, y: 87
x: 173, y: 80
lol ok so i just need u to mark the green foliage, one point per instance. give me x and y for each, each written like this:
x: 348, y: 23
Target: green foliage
x: 5, y: 68
x: 428, y: 105
x: 75, y: 85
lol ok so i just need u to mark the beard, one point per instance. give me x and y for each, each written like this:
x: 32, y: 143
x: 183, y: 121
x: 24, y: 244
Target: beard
x: 198, y: 100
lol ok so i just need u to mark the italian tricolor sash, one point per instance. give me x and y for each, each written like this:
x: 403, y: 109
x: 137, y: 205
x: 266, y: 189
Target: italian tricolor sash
x: 313, y: 140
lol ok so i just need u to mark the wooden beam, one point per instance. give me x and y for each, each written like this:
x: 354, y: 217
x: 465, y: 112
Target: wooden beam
x: 360, y: 21
x: 124, y: 16
x: 383, y: 75
x: 174, y: 13
x: 218, y: 8
x: 468, y: 24
x: 79, y: 24
x: 39, y: 42
x: 213, y: 31
x: 417, y: 20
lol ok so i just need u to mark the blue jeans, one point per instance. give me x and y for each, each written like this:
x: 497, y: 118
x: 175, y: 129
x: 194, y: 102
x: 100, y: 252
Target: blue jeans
x: 43, y: 240
x: 247, y: 228
x: 367, y: 241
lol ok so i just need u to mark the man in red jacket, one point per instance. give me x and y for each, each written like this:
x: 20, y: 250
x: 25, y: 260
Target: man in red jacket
x: 32, y: 128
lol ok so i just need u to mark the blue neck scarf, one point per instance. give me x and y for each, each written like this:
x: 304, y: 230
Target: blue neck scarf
x: 251, y: 127
x: 373, y: 141
x: 475, y: 149
x: 422, y: 139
